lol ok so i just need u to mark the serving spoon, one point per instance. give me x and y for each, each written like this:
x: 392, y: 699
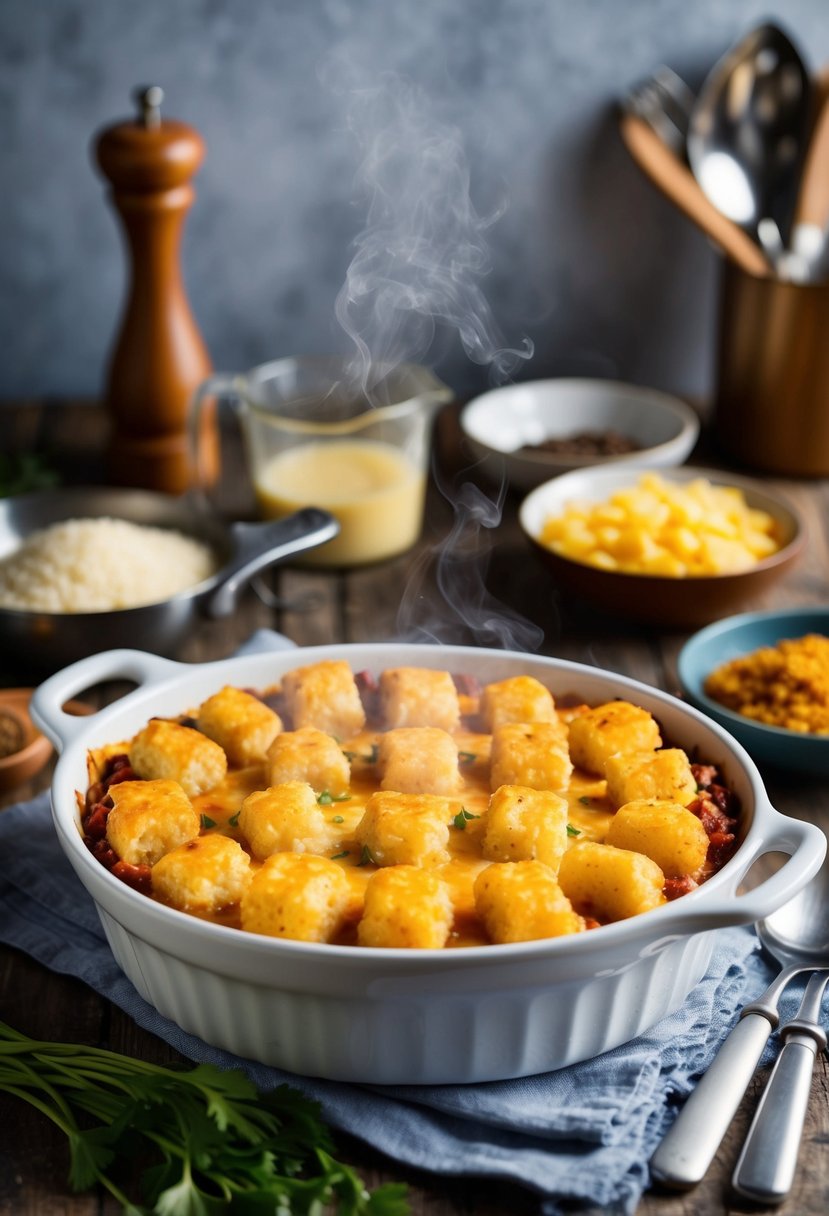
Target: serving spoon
x: 797, y: 937
x: 748, y: 131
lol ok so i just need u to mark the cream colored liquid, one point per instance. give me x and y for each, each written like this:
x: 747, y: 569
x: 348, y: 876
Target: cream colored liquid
x: 372, y: 488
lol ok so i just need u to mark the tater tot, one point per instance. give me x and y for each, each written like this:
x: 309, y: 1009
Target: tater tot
x: 203, y: 875
x: 523, y: 824
x: 308, y: 755
x: 406, y: 829
x: 405, y: 906
x: 663, y: 774
x: 517, y: 699
x: 148, y: 818
x: 242, y: 725
x: 605, y: 730
x: 415, y: 696
x: 521, y: 901
x: 324, y: 695
x: 284, y: 818
x: 667, y: 832
x: 610, y: 883
x: 296, y: 895
x: 418, y: 760
x: 533, y: 754
x: 167, y: 751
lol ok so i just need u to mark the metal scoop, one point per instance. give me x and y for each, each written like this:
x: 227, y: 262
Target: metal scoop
x: 797, y: 936
x: 748, y: 132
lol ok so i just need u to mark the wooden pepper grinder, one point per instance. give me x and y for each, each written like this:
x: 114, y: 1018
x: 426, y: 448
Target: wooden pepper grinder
x: 159, y: 357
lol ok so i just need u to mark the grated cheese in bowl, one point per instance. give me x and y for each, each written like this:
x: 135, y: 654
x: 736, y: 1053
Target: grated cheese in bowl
x: 100, y: 565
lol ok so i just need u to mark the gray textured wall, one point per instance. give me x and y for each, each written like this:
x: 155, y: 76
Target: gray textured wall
x: 587, y: 260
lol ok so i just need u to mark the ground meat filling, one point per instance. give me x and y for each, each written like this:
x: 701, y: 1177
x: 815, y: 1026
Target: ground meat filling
x: 98, y: 804
x: 718, y: 810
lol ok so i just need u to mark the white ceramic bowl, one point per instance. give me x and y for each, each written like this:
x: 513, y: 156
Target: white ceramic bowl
x: 417, y: 1016
x: 499, y: 423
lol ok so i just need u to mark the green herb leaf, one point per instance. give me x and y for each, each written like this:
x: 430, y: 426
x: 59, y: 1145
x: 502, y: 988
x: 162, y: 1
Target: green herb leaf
x: 467, y: 757
x: 25, y: 472
x: 462, y: 818
x: 585, y: 801
x: 207, y: 822
x: 325, y: 798
x: 213, y: 1146
x: 338, y: 856
x: 366, y: 858
x: 571, y: 831
x: 337, y: 819
x: 234, y: 819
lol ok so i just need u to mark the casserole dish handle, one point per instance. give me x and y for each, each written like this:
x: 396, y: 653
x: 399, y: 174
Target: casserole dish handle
x: 805, y: 845
x: 48, y: 699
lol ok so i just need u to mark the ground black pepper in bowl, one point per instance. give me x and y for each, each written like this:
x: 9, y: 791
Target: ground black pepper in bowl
x: 586, y: 443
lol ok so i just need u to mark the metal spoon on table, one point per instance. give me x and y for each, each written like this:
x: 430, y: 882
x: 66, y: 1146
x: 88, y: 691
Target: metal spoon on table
x: 748, y: 132
x: 797, y: 936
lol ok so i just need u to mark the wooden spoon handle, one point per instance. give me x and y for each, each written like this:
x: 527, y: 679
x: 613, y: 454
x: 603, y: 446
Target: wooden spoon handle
x: 813, y: 197
x: 678, y: 183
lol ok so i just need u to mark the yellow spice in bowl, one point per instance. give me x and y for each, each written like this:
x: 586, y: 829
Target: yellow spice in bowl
x: 786, y: 685
x: 671, y: 529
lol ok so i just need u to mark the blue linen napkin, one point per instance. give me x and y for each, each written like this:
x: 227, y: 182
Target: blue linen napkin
x: 583, y: 1133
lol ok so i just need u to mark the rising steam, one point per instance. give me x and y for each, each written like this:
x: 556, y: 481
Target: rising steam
x: 420, y: 260
x: 459, y: 608
x: 419, y: 265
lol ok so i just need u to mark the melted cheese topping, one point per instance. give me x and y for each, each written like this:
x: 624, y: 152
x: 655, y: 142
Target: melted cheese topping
x: 589, y: 816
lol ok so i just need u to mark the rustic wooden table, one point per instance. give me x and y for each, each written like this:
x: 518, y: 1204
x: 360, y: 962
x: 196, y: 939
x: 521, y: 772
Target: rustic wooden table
x: 371, y: 604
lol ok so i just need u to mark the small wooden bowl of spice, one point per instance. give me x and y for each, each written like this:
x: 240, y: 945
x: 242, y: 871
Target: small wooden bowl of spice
x: 23, y: 749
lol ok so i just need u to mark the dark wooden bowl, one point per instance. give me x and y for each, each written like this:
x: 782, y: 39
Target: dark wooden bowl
x: 671, y: 603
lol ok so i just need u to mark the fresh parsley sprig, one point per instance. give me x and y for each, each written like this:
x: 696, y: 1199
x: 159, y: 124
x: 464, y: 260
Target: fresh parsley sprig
x: 218, y: 1145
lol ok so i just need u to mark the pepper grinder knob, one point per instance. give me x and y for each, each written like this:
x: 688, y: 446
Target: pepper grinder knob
x: 150, y: 99
x: 158, y: 358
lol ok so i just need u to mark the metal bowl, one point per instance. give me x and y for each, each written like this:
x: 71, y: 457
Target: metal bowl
x: 46, y: 641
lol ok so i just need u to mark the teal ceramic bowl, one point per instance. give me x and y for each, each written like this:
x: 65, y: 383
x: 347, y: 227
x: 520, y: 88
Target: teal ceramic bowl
x: 740, y: 635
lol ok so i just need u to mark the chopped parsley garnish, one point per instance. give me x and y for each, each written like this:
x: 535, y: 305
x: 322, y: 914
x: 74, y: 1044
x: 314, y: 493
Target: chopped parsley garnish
x: 585, y: 800
x: 234, y: 819
x: 338, y: 856
x: 467, y: 757
x: 366, y: 858
x: 571, y: 831
x: 370, y: 758
x: 461, y: 819
x: 207, y: 822
x: 338, y: 819
x: 326, y: 798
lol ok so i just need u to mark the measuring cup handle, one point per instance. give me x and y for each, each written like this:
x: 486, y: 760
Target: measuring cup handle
x: 221, y: 385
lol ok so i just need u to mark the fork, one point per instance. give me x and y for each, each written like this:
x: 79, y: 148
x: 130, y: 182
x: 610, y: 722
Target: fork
x: 664, y: 101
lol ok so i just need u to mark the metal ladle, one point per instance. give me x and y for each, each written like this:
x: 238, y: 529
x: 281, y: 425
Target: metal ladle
x: 797, y: 936
x: 748, y: 132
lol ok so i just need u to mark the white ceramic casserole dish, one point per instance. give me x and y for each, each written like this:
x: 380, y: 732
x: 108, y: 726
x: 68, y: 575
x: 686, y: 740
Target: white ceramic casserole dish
x: 396, y: 1016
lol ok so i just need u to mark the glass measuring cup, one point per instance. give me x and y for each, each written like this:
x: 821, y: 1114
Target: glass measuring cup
x: 314, y: 437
